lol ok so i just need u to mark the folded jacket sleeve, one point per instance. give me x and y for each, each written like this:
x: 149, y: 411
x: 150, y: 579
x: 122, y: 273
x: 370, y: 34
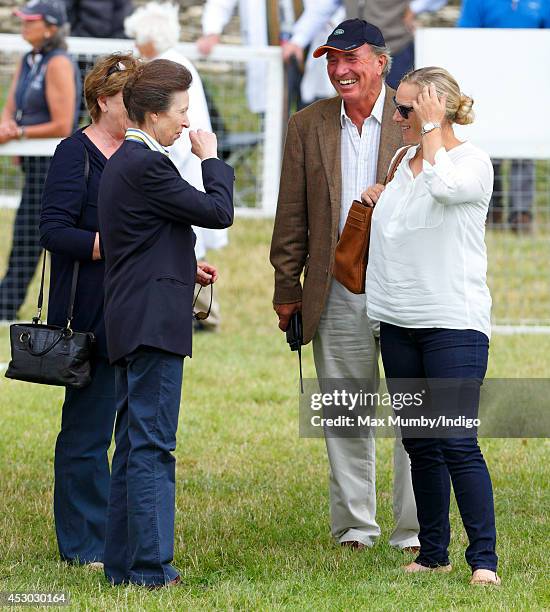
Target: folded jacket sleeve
x: 65, y: 193
x: 173, y: 198
x: 466, y: 180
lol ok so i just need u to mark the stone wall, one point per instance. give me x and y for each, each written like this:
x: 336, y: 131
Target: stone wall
x: 191, y: 11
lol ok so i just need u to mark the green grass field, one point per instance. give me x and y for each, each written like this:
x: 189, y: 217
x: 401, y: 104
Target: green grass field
x: 252, y: 526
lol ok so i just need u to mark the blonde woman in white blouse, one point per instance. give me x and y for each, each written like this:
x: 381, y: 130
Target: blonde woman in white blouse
x: 426, y: 284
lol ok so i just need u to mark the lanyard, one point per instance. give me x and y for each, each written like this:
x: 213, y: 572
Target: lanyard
x: 38, y: 60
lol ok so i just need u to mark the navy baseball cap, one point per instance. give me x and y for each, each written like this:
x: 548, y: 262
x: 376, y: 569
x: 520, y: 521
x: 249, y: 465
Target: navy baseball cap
x: 52, y: 12
x: 350, y: 35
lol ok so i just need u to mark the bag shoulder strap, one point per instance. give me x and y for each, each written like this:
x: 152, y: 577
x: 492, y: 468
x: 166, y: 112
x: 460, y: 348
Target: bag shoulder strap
x: 76, y: 266
x: 86, y: 165
x: 41, y: 292
x: 70, y: 309
x: 398, y: 159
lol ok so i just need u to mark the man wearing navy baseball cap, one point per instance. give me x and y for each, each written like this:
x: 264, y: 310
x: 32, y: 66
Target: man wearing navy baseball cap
x: 335, y: 149
x: 350, y: 35
x: 53, y: 12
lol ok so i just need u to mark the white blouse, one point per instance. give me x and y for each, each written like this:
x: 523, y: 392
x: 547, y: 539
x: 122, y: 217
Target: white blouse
x: 427, y: 256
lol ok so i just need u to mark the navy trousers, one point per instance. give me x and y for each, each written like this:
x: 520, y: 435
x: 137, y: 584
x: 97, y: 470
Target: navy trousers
x: 402, y: 63
x: 25, y: 247
x: 139, y: 544
x: 434, y: 354
x: 81, y: 465
x: 521, y: 187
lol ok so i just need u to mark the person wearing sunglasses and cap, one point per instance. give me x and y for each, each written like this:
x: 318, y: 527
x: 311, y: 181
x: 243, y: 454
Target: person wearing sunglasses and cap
x: 42, y: 102
x: 335, y: 149
x: 427, y: 284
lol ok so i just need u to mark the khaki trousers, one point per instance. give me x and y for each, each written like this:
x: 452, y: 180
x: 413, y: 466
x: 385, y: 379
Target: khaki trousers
x: 346, y: 346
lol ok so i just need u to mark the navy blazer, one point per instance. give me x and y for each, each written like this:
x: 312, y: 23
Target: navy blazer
x: 145, y: 215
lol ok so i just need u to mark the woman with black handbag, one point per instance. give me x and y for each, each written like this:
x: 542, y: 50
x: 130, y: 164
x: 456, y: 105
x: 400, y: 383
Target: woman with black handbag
x: 69, y: 230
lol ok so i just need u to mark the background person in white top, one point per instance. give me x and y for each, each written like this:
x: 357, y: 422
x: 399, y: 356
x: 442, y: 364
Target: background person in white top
x: 155, y: 28
x: 256, y: 30
x: 426, y: 283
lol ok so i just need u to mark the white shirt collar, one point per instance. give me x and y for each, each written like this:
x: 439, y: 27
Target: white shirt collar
x: 377, y: 110
x: 140, y: 136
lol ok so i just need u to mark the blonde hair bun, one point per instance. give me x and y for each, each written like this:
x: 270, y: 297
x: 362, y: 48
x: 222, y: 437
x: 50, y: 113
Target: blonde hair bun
x: 459, y: 107
x: 465, y: 114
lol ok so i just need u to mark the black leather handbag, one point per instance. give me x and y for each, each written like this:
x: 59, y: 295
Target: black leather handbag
x: 49, y: 354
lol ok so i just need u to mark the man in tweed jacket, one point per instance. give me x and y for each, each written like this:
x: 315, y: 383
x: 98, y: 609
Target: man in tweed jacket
x: 335, y: 149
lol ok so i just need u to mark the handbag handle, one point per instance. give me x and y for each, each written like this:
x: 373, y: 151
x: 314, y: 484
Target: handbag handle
x: 76, y: 267
x: 62, y: 334
x: 396, y: 162
x: 70, y: 310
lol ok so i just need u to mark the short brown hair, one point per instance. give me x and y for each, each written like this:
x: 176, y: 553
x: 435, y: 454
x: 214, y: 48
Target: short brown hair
x: 152, y: 86
x: 107, y: 78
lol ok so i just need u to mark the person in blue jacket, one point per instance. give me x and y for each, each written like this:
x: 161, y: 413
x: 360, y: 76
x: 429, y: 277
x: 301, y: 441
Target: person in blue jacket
x: 509, y: 14
x: 42, y: 102
x: 146, y: 211
x: 69, y: 229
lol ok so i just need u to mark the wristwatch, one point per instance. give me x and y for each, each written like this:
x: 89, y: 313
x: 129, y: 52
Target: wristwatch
x: 428, y: 127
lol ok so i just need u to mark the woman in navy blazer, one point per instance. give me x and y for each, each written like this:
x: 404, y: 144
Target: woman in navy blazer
x: 69, y: 230
x: 145, y: 215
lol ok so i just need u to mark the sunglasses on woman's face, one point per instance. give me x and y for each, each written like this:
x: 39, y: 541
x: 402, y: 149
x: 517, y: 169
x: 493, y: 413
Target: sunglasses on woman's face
x: 402, y: 109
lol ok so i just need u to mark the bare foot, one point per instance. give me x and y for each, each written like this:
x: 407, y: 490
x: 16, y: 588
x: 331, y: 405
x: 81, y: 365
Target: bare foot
x: 94, y: 565
x: 485, y: 577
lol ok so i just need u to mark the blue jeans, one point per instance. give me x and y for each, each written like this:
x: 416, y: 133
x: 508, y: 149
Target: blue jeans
x: 139, y: 544
x: 434, y: 354
x: 81, y: 466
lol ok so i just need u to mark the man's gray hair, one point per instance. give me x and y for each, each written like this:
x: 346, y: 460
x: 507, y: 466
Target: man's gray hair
x: 386, y: 52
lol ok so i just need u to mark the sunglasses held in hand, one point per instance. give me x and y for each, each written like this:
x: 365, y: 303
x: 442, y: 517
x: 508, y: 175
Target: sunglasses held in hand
x: 201, y: 315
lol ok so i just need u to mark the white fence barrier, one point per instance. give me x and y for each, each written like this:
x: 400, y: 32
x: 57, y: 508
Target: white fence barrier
x: 251, y: 142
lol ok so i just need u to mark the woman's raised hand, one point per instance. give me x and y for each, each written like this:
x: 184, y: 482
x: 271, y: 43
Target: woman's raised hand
x: 203, y: 144
x: 429, y: 107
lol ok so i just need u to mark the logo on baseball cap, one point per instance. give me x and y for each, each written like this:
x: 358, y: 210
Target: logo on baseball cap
x: 350, y: 35
x: 52, y: 12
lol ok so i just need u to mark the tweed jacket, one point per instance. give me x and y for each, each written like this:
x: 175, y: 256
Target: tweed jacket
x: 308, y: 209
